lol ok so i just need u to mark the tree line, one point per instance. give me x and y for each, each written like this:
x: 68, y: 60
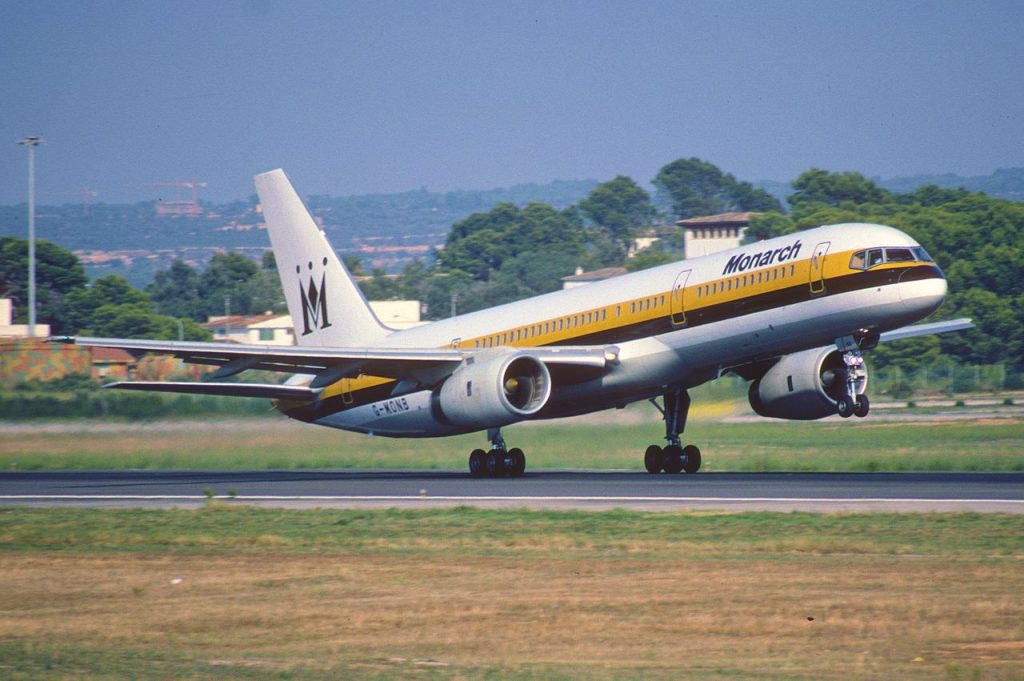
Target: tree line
x: 513, y: 251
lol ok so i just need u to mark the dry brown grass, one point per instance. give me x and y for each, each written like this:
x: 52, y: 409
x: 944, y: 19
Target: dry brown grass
x: 471, y: 616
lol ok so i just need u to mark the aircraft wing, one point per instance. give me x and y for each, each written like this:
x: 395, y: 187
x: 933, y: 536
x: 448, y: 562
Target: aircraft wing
x: 926, y: 329
x: 271, y: 391
x: 422, y: 365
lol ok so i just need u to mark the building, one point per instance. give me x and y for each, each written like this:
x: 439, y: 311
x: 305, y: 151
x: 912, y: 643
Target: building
x: 272, y: 329
x: 266, y: 329
x: 397, y: 314
x: 9, y: 330
x: 582, y: 278
x: 713, y: 233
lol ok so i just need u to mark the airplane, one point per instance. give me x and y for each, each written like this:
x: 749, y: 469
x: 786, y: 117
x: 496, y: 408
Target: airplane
x: 791, y: 314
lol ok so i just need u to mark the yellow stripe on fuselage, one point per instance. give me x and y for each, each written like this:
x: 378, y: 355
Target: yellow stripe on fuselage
x: 696, y: 296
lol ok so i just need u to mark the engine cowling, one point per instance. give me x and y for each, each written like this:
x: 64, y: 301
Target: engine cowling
x: 493, y: 390
x: 803, y: 386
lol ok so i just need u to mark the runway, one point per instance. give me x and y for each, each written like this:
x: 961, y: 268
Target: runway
x: 593, y: 490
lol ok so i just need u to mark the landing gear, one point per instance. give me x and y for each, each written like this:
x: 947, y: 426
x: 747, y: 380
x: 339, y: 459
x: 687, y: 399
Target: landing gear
x: 853, y: 402
x: 862, y: 406
x: 674, y: 458
x: 499, y: 461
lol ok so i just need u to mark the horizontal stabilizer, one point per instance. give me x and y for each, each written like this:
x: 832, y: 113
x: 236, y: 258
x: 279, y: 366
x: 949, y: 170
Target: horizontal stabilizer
x: 272, y: 391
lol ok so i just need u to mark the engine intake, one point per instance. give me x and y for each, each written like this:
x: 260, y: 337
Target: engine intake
x: 490, y: 390
x: 803, y: 386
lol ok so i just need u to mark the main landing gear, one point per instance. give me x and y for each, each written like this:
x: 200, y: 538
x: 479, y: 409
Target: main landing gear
x: 499, y: 461
x: 674, y: 458
x: 853, y: 402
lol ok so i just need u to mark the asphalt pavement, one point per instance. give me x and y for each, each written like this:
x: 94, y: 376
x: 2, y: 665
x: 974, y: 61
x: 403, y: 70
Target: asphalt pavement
x: 595, y: 490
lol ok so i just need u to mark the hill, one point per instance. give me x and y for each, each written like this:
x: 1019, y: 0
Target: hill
x: 385, y: 230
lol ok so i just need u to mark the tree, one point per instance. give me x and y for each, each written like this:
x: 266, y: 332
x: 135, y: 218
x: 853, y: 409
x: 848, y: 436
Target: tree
x: 227, y: 275
x: 768, y: 226
x: 381, y: 286
x: 649, y: 257
x: 480, y: 244
x: 354, y: 264
x: 58, y: 271
x: 137, y: 320
x: 175, y: 292
x: 619, y: 206
x: 820, y: 186
x: 998, y: 336
x: 112, y: 290
x: 695, y: 187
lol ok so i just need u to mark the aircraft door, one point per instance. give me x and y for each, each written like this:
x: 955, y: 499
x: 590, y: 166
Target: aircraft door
x: 346, y: 391
x: 678, y: 302
x: 817, y: 277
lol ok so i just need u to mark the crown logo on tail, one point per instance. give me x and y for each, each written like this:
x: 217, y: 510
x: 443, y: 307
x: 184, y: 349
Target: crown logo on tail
x: 314, y: 303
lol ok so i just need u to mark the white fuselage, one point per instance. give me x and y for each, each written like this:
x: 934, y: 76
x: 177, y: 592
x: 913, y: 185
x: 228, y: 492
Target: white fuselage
x: 695, y: 327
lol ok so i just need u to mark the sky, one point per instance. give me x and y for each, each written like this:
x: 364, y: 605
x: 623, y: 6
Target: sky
x: 383, y: 96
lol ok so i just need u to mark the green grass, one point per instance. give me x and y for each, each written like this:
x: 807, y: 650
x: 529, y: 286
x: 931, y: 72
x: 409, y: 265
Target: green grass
x: 615, y: 441
x: 224, y: 528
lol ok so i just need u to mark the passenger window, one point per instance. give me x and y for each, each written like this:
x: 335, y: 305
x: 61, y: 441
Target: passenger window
x: 898, y: 255
x: 857, y: 261
x: 874, y: 257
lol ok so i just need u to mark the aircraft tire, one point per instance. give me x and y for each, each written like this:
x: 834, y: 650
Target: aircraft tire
x: 518, y: 462
x: 691, y: 459
x: 672, y: 459
x: 478, y: 463
x: 862, y: 406
x: 653, y: 459
x: 495, y: 463
x: 845, y: 406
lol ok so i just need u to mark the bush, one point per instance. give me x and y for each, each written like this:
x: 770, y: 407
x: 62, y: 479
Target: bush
x: 901, y: 390
x: 24, y: 404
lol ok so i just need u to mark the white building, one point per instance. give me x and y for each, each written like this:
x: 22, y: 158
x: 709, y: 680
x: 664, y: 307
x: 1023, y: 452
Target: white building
x: 714, y: 233
x: 271, y: 329
x: 9, y: 330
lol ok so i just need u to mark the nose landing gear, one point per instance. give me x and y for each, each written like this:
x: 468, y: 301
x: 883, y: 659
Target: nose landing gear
x: 853, y: 402
x: 674, y: 458
x: 499, y: 461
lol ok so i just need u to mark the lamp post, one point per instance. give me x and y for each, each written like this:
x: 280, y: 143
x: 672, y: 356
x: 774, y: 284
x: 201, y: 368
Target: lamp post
x: 31, y: 143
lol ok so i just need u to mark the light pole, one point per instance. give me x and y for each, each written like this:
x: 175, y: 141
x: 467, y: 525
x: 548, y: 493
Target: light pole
x: 31, y: 143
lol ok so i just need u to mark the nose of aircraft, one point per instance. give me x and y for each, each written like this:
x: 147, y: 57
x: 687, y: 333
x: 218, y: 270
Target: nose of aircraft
x: 922, y: 292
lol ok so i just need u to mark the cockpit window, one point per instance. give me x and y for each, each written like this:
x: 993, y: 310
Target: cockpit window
x: 898, y: 255
x: 922, y: 255
x: 865, y: 260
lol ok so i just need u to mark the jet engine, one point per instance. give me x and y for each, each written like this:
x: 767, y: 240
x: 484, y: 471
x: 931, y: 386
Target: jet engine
x: 803, y: 386
x: 493, y: 390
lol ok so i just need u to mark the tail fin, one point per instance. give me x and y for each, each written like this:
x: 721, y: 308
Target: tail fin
x: 327, y: 307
